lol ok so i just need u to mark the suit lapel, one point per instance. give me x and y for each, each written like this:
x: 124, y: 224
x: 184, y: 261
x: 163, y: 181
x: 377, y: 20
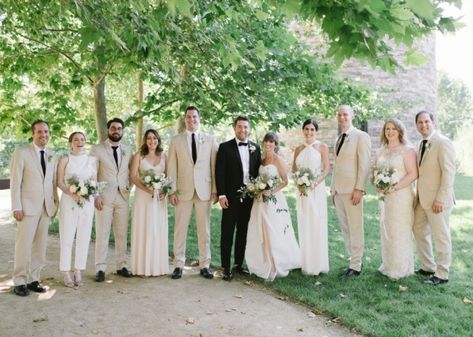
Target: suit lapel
x: 107, y: 147
x: 183, y: 141
x: 35, y: 159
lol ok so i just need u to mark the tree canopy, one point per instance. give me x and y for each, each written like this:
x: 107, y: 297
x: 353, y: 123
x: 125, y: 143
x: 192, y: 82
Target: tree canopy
x: 227, y: 57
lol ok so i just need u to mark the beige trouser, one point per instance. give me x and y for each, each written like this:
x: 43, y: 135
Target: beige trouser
x: 428, y: 226
x: 202, y: 216
x: 351, y: 224
x: 30, y: 248
x: 116, y: 215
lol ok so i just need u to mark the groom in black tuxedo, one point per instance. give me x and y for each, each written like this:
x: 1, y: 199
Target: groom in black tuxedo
x: 238, y: 160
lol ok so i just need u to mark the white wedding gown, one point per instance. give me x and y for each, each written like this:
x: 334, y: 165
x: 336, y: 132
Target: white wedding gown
x: 149, y: 229
x: 312, y: 217
x: 396, y: 221
x: 271, y: 246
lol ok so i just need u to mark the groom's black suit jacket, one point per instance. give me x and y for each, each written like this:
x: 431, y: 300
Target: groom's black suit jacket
x: 229, y: 170
x: 229, y: 179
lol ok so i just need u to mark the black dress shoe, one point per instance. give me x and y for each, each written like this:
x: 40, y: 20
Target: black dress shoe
x: 240, y: 270
x: 205, y: 272
x: 421, y: 271
x: 100, y: 276
x: 351, y: 272
x: 227, y: 274
x: 124, y: 272
x: 177, y: 273
x: 434, y: 281
x: 36, y: 287
x: 21, y: 290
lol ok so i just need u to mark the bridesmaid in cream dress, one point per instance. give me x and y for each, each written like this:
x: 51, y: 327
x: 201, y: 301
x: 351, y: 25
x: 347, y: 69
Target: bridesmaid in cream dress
x: 312, y: 208
x: 75, y: 221
x: 149, y: 228
x: 397, y: 208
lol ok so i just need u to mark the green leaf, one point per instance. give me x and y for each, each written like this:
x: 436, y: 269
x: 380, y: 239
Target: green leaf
x: 261, y: 51
x: 261, y: 15
x: 422, y: 8
x: 184, y: 7
x: 414, y: 58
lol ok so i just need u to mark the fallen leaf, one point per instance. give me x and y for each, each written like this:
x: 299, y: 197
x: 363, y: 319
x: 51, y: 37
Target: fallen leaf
x: 342, y: 295
x: 238, y: 296
x: 209, y: 313
x: 40, y: 319
x: 190, y: 320
x: 234, y: 309
x: 467, y: 301
x: 317, y: 312
x: 282, y: 298
x: 300, y: 329
x: 318, y: 283
x: 310, y: 314
x: 336, y: 320
x: 402, y: 288
x: 248, y: 283
x: 228, y: 310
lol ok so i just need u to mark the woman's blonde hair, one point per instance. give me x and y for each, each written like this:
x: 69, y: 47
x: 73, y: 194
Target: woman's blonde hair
x: 398, y: 126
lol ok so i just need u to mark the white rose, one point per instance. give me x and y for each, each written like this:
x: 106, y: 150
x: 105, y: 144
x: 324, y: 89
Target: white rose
x: 261, y: 186
x: 270, y: 182
x: 83, y: 190
x: 147, y: 179
x: 73, y: 189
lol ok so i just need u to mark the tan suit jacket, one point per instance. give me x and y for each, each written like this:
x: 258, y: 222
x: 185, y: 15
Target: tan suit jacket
x: 117, y: 178
x: 437, y: 172
x: 187, y: 176
x: 352, y: 165
x: 30, y: 189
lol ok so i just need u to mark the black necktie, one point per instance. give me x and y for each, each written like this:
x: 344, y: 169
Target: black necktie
x: 242, y: 144
x: 422, y: 150
x: 43, y: 162
x: 194, y: 149
x: 341, y: 142
x: 115, y: 154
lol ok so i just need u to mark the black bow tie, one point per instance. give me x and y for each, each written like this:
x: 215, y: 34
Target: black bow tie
x: 242, y: 144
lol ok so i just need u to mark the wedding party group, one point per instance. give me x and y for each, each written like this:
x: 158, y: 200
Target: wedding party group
x: 414, y: 185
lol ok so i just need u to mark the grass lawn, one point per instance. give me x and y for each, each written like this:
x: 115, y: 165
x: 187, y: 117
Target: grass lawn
x: 371, y: 303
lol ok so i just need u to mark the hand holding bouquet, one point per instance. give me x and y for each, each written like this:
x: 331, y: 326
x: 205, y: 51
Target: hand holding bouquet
x: 260, y: 188
x: 305, y: 178
x: 84, y: 189
x: 384, y: 179
x: 155, y: 182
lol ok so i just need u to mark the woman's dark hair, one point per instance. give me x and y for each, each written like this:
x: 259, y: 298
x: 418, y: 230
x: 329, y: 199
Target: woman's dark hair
x: 311, y: 121
x: 144, y: 150
x: 71, y: 136
x: 272, y: 137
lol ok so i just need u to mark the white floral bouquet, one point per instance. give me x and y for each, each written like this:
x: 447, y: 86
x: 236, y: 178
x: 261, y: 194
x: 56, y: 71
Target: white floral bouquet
x: 255, y: 187
x: 304, y: 177
x: 157, y: 182
x: 384, y: 178
x: 85, y: 189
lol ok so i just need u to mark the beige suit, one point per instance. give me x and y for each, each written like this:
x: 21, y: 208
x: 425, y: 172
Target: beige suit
x: 36, y: 195
x: 195, y: 184
x: 350, y: 172
x: 115, y: 209
x: 435, y: 182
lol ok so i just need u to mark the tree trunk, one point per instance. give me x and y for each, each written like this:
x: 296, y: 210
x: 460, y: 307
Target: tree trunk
x: 139, y: 122
x: 100, y: 110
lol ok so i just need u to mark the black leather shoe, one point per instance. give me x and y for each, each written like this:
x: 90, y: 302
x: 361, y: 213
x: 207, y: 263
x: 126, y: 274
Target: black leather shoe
x: 177, y: 273
x: 240, y: 270
x: 227, y: 274
x: 124, y: 272
x: 351, y: 272
x: 21, y: 290
x: 205, y: 272
x: 100, y: 276
x: 434, y: 281
x: 421, y: 271
x: 36, y: 287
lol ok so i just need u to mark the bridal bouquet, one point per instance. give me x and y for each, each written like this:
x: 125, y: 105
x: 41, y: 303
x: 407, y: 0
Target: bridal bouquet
x: 305, y: 177
x: 255, y: 187
x: 384, y: 179
x: 85, y: 189
x: 157, y: 182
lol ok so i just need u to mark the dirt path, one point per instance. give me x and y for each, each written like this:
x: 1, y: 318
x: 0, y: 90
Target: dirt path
x: 191, y: 306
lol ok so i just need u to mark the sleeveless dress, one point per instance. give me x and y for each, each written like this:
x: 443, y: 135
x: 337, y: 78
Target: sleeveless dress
x: 396, y: 220
x: 149, y: 229
x: 271, y: 247
x: 75, y: 221
x: 312, y: 217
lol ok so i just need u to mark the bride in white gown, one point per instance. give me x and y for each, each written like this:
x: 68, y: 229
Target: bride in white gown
x: 397, y: 208
x: 312, y: 208
x: 271, y: 248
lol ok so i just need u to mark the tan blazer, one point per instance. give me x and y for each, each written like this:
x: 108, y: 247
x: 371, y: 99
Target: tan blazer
x: 352, y: 165
x: 187, y: 176
x: 437, y: 172
x: 116, y: 178
x: 30, y: 189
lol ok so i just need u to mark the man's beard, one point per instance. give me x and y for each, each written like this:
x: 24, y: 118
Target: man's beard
x: 114, y: 138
